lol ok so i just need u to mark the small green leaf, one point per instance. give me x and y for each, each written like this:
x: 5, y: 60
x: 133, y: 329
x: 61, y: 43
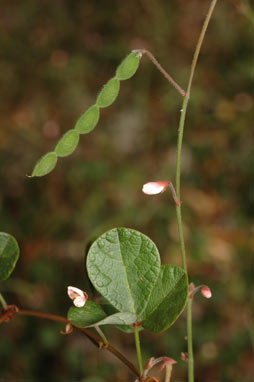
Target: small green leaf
x: 45, y: 164
x: 123, y: 265
x: 108, y: 93
x: 92, y: 314
x: 167, y: 300
x: 9, y: 254
x: 128, y: 66
x: 67, y: 143
x: 87, y: 315
x: 88, y: 120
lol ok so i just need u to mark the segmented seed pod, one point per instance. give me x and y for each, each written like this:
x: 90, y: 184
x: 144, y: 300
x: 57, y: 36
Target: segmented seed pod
x: 88, y: 120
x: 108, y: 93
x: 128, y: 66
x: 45, y: 164
x: 67, y: 143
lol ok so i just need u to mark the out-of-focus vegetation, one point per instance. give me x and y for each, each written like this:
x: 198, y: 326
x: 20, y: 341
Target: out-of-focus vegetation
x: 54, y: 58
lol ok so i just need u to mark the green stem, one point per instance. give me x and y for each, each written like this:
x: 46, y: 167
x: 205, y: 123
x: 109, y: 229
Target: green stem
x: 138, y: 349
x: 190, y: 344
x: 102, y: 335
x: 178, y: 180
x: 3, y: 302
x: 168, y: 373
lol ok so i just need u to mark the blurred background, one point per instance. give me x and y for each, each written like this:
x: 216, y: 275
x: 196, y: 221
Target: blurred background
x: 54, y: 58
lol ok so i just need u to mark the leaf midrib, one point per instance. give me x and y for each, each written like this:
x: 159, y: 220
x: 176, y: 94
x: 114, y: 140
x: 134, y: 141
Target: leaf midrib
x: 127, y: 280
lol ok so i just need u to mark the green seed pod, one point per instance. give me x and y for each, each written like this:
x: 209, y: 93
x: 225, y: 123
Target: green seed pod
x: 67, y: 143
x: 128, y: 66
x: 45, y: 165
x: 88, y: 120
x: 108, y: 93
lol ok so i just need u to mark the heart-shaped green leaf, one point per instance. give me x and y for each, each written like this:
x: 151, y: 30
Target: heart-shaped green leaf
x: 9, y: 254
x: 123, y: 265
x: 167, y: 299
x: 92, y: 314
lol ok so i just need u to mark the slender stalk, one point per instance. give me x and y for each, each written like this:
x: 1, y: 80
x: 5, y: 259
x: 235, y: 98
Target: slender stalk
x: 178, y: 179
x: 163, y: 71
x: 190, y: 345
x: 90, y: 335
x: 138, y: 349
x: 100, y: 332
x: 168, y: 373
x: 3, y: 302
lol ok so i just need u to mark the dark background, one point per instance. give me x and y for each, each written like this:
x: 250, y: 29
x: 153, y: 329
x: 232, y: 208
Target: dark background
x: 54, y: 58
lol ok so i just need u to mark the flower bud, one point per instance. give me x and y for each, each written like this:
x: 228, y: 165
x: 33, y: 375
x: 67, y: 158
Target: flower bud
x: 206, y: 291
x: 167, y: 361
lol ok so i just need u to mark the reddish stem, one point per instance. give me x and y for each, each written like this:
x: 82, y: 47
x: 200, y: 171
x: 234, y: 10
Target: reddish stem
x: 96, y: 340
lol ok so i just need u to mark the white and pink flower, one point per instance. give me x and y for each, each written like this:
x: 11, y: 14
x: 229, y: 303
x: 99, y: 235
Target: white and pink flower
x: 78, y: 296
x: 153, y: 188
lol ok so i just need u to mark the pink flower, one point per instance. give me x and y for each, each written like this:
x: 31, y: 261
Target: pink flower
x: 78, y: 296
x: 153, y: 188
x: 206, y: 291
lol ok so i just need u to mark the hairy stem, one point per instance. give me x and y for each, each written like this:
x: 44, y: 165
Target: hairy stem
x: 178, y: 178
x: 90, y: 335
x: 138, y: 349
x: 163, y: 71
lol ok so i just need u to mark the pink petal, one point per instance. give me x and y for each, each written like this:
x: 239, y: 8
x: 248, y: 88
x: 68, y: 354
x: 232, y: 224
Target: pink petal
x: 167, y: 361
x: 79, y: 301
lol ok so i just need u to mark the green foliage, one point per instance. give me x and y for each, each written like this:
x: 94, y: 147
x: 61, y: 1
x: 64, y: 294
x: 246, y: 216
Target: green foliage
x: 128, y: 66
x: 67, y: 143
x: 9, y: 254
x: 92, y: 314
x: 166, y: 301
x: 124, y: 266
x: 88, y: 120
x: 45, y: 164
